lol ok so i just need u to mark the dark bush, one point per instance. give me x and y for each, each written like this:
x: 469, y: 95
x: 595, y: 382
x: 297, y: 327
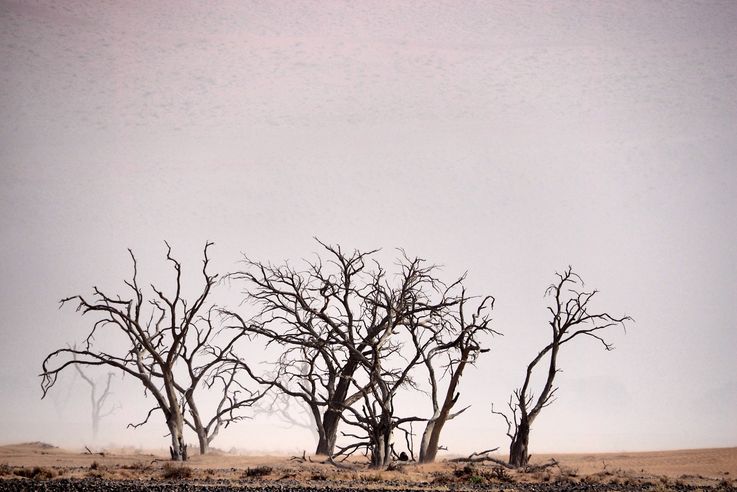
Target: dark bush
x: 259, y: 471
x: 176, y: 472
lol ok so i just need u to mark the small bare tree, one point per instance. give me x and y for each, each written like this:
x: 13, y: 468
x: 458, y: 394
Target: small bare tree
x: 458, y: 341
x: 205, y: 355
x: 152, y: 339
x: 570, y: 318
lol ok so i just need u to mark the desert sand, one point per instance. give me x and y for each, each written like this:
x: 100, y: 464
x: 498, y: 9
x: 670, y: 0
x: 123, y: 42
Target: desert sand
x: 665, y: 470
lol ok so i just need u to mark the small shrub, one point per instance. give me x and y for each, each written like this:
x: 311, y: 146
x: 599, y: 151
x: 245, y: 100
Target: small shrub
x: 499, y: 473
x: 373, y: 477
x: 5, y: 469
x: 725, y: 484
x: 318, y: 477
x: 476, y: 479
x: 176, y: 472
x: 440, y: 478
x: 465, y: 472
x: 259, y: 471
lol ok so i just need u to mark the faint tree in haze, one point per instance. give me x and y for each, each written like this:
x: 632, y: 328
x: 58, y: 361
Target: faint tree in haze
x: 330, y: 319
x: 291, y: 411
x: 164, y: 342
x: 98, y: 399
x: 570, y: 318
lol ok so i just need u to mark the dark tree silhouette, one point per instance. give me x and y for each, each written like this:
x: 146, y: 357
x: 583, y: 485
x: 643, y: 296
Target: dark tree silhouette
x: 571, y: 317
x: 388, y: 361
x: 328, y: 318
x: 150, y: 340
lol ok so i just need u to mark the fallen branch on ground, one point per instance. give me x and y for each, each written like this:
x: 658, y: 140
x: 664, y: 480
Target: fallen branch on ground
x: 90, y: 452
x: 482, y: 456
x: 342, y: 466
x: 301, y: 459
x: 540, y: 467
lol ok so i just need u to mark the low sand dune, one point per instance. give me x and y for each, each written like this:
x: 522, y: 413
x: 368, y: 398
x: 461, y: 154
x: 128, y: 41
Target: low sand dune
x: 714, y: 463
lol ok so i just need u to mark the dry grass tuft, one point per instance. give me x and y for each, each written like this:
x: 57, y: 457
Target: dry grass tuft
x: 258, y: 471
x: 172, y: 471
x: 35, y: 473
x: 137, y: 466
x: 372, y: 477
x: 318, y: 477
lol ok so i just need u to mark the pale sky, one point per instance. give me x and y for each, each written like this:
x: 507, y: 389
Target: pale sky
x: 509, y: 139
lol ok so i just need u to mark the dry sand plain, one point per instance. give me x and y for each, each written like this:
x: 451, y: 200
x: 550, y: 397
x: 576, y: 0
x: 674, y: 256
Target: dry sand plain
x: 37, y: 466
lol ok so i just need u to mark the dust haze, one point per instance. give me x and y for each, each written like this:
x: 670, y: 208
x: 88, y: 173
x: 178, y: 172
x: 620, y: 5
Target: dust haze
x: 505, y: 139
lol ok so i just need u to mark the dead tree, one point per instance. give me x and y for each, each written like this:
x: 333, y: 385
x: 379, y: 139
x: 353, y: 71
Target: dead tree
x: 205, y: 355
x: 150, y: 340
x: 457, y: 341
x: 98, y: 400
x: 435, y: 324
x: 376, y: 420
x: 325, y: 317
x: 570, y: 318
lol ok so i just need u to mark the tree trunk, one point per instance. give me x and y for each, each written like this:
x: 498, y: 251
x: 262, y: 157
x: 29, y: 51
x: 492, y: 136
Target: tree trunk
x: 381, y: 454
x: 175, y: 422
x: 331, y: 417
x: 178, y: 449
x: 518, y: 453
x: 330, y: 421
x: 428, y: 450
x: 202, y: 440
x: 431, y: 436
x: 200, y: 429
x: 95, y: 424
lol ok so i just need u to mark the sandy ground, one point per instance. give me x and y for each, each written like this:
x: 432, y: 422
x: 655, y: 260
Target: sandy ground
x: 702, y: 467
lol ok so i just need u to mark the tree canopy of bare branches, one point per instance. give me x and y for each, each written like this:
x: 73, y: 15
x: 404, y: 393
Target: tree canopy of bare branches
x: 334, y: 319
x: 571, y: 317
x: 154, y: 337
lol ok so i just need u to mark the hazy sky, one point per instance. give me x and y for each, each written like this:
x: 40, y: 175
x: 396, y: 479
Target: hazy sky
x: 509, y: 139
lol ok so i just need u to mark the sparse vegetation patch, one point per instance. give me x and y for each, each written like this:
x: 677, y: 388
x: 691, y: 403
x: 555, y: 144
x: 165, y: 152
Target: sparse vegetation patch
x: 171, y: 471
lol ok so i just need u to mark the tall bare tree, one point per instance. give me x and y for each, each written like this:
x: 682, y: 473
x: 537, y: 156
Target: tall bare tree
x: 389, y: 361
x: 327, y: 318
x: 150, y: 340
x: 457, y: 342
x: 571, y: 317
